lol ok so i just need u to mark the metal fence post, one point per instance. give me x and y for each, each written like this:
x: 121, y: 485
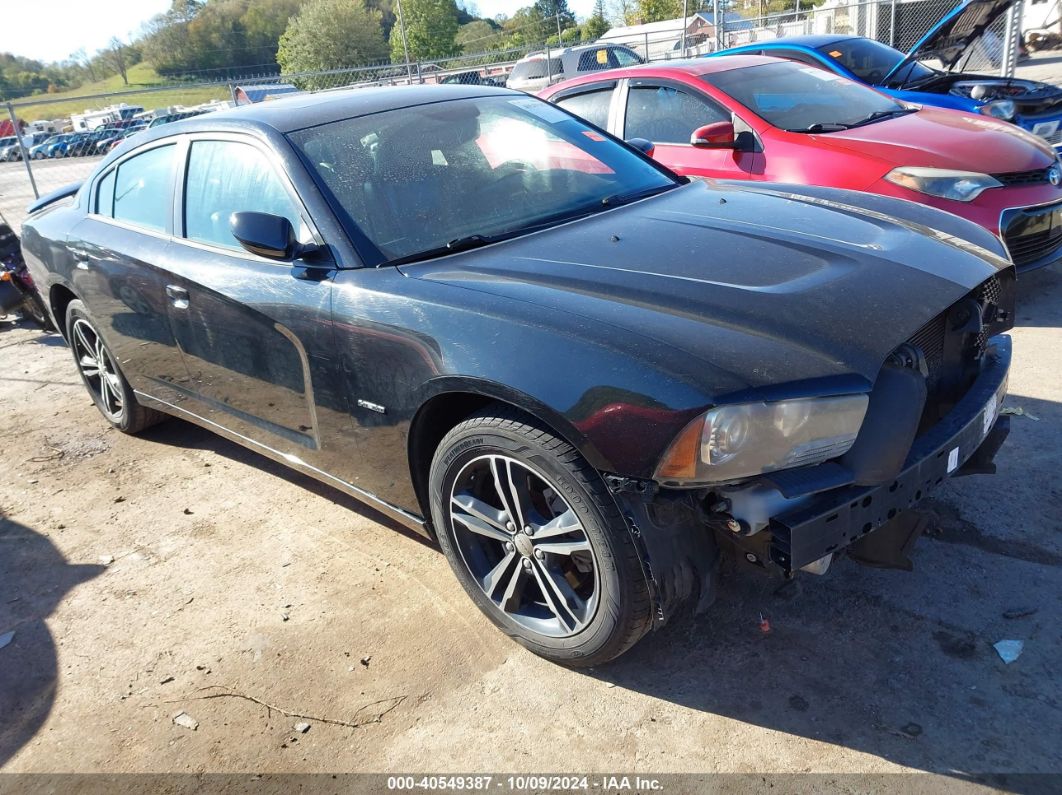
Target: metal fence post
x: 1011, y: 41
x: 549, y: 67
x: 892, y: 24
x: 720, y: 26
x: 22, y: 149
x: 647, y: 47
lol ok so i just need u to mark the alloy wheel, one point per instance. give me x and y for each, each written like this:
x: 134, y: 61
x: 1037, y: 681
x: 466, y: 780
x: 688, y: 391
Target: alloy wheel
x: 524, y: 545
x: 97, y: 367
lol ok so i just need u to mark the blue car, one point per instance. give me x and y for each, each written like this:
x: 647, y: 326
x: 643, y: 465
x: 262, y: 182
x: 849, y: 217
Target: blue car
x: 1035, y: 106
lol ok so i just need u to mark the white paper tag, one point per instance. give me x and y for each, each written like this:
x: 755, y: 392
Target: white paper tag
x: 953, y: 460
x: 543, y: 110
x: 989, y: 415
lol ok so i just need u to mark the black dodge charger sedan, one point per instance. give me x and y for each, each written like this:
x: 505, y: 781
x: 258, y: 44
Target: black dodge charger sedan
x: 583, y: 376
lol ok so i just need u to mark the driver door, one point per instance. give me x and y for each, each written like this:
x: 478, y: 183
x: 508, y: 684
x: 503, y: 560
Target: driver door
x: 667, y: 113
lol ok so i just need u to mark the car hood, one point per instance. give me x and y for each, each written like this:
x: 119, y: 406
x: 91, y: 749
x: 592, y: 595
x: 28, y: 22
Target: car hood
x: 950, y: 38
x: 762, y: 286
x: 947, y: 139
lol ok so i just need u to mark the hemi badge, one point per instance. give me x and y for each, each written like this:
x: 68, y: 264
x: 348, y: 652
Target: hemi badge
x: 365, y: 404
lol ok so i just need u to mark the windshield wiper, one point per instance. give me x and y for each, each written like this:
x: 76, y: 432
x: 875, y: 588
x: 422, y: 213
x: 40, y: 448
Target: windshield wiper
x: 878, y: 115
x: 821, y: 126
x: 616, y: 199
x: 453, y: 247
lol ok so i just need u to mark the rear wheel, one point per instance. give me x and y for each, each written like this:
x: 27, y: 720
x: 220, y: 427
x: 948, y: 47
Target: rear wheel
x: 536, y: 539
x: 102, y: 378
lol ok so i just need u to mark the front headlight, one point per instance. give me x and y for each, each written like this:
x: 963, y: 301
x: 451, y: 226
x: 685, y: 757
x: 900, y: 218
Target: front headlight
x: 745, y: 439
x: 962, y: 186
x: 999, y: 109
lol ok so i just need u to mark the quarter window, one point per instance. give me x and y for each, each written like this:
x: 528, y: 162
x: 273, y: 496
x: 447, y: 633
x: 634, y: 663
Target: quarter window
x: 590, y: 105
x: 663, y: 114
x: 105, y: 196
x: 142, y: 188
x: 225, y: 177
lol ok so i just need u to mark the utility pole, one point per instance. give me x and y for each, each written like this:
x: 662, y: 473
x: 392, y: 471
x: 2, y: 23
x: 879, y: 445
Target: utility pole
x: 405, y: 42
x: 556, y: 8
x: 685, y: 14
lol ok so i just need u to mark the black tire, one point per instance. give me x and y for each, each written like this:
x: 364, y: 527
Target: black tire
x: 33, y: 307
x: 620, y: 595
x: 129, y: 416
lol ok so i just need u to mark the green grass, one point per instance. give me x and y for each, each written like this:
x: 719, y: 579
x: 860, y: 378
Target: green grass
x: 141, y: 76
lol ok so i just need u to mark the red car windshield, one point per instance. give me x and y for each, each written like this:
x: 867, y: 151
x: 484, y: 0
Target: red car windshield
x: 801, y: 98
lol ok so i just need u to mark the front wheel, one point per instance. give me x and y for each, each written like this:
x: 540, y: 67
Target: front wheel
x: 536, y: 539
x: 99, y: 371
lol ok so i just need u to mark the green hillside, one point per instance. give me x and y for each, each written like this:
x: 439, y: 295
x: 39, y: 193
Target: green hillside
x: 142, y: 75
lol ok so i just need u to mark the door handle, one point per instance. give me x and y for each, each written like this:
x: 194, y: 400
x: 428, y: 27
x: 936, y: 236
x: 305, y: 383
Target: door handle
x: 178, y: 296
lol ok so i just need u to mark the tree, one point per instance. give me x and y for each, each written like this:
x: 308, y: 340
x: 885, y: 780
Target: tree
x: 478, y: 36
x: 659, y: 10
x: 331, y: 34
x: 116, y: 57
x: 597, y: 26
x: 431, y: 30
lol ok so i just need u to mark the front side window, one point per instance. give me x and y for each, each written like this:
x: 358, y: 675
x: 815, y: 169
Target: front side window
x: 142, y: 188
x: 226, y: 177
x: 408, y: 181
x: 663, y: 114
x: 590, y: 105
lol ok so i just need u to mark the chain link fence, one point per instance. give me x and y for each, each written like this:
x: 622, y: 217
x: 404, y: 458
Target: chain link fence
x: 65, y: 137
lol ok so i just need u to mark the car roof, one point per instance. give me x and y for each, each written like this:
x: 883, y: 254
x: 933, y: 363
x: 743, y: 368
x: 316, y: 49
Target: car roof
x: 812, y: 41
x: 694, y: 67
x: 288, y: 114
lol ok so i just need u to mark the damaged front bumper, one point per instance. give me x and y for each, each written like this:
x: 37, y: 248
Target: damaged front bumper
x: 966, y: 439
x: 676, y: 533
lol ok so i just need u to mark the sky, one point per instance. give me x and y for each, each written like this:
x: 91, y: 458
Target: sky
x: 68, y: 25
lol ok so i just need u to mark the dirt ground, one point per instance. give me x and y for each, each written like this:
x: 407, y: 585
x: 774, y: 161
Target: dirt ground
x: 172, y: 572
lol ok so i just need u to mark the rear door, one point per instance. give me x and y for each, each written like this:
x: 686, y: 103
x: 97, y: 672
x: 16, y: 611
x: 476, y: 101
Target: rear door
x: 252, y: 331
x: 591, y: 101
x: 667, y: 113
x: 120, y: 249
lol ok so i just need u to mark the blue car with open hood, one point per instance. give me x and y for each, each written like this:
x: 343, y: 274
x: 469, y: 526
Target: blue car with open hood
x: 954, y: 41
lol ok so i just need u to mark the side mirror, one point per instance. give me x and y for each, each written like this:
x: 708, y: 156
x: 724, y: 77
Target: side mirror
x: 718, y: 135
x: 269, y: 236
x: 645, y: 147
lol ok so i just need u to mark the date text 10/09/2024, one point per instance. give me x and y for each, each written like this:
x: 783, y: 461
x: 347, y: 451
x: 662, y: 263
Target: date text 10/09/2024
x: 525, y: 783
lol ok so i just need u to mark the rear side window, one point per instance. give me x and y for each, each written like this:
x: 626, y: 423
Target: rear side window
x: 226, y: 177
x: 663, y: 114
x: 592, y: 60
x: 537, y: 69
x: 142, y: 188
x: 105, y: 196
x: 591, y: 105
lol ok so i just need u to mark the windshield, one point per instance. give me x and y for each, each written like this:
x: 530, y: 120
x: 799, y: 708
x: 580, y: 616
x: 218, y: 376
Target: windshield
x: 803, y: 98
x: 415, y: 179
x: 871, y: 60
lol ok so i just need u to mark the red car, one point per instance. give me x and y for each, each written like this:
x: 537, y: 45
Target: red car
x: 766, y: 119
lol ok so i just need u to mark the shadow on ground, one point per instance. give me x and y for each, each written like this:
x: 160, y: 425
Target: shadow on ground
x: 34, y: 577
x: 179, y: 433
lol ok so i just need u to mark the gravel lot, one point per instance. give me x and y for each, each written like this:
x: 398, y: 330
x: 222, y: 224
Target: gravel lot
x: 176, y: 572
x: 142, y: 575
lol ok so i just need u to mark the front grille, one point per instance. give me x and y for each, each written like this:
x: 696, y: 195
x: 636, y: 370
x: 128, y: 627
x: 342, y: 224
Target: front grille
x: 991, y: 293
x: 1038, y: 176
x: 1034, y: 245
x: 950, y: 351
